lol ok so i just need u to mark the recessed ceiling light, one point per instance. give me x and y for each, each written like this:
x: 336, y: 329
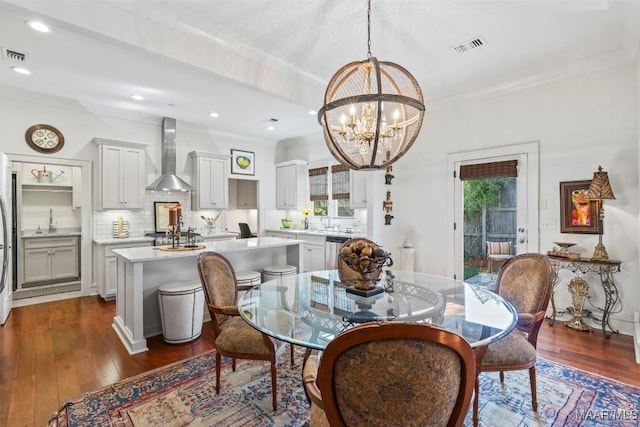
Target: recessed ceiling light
x: 21, y: 70
x: 212, y: 114
x: 270, y: 128
x: 312, y: 112
x: 39, y: 26
x: 136, y: 97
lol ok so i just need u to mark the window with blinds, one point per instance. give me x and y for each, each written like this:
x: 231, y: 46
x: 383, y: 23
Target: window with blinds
x: 340, y: 182
x: 318, y: 184
x: 333, y: 185
x: 504, y: 169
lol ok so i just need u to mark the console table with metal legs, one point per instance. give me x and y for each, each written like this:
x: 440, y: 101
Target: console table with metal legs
x: 579, y: 288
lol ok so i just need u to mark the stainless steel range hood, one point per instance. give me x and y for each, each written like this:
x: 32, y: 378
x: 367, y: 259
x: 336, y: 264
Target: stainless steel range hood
x: 169, y: 181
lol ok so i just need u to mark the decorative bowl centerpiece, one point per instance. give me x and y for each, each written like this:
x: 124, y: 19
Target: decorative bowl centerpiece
x: 286, y: 222
x: 360, y: 264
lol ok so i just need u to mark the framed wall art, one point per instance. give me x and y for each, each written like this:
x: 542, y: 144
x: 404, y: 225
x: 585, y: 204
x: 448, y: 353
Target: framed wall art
x: 161, y: 215
x: 242, y: 162
x: 577, y: 213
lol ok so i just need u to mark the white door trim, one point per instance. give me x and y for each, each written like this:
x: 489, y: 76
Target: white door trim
x: 531, y: 151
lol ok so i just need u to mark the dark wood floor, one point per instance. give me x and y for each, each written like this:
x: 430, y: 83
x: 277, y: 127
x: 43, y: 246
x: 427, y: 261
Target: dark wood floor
x: 50, y: 352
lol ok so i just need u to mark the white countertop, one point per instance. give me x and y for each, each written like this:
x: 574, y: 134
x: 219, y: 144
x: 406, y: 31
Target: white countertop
x: 324, y: 233
x: 44, y: 232
x: 220, y: 235
x: 123, y: 240
x: 147, y: 253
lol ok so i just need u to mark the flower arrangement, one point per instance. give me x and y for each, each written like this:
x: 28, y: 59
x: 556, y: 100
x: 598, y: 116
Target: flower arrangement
x: 304, y: 224
x: 210, y: 221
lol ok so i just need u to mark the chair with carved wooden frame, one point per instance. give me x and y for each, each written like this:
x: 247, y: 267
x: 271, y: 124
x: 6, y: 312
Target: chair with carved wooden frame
x: 392, y: 373
x: 234, y: 337
x: 526, y: 281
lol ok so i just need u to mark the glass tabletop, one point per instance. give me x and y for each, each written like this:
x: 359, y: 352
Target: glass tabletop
x: 310, y: 309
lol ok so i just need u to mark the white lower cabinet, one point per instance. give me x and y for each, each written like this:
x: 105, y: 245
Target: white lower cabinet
x: 313, y: 253
x: 51, y: 259
x: 105, y: 267
x: 313, y: 249
x: 280, y: 235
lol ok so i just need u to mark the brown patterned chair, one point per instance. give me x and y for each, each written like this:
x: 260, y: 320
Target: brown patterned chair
x: 526, y: 281
x: 391, y: 374
x: 233, y: 336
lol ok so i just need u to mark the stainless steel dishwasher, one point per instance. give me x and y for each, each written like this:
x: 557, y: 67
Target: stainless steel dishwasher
x: 332, y: 248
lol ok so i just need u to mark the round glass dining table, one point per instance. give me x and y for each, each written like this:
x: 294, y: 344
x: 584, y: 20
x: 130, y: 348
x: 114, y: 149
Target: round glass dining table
x: 310, y: 309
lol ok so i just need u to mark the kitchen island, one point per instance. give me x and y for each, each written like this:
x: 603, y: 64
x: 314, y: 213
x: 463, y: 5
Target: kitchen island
x: 142, y: 270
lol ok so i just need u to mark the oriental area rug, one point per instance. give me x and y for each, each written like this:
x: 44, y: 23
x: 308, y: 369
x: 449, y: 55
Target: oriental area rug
x: 183, y: 394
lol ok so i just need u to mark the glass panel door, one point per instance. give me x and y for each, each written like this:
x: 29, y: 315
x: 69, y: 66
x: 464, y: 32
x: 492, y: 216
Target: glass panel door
x: 494, y: 210
x: 489, y: 226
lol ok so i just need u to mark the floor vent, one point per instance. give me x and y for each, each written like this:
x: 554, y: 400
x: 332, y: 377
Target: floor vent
x: 14, y: 56
x: 468, y: 45
x: 45, y: 290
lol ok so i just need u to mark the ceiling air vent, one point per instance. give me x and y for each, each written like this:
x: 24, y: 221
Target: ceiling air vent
x: 468, y: 45
x: 14, y: 56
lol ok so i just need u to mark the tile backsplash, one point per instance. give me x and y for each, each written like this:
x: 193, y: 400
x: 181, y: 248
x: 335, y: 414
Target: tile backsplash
x: 143, y: 221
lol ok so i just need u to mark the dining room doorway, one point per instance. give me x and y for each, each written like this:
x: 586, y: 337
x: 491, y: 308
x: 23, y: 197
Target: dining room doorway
x: 495, y: 199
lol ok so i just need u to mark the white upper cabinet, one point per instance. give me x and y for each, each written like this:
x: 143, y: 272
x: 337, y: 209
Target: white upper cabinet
x: 291, y: 184
x: 358, y: 193
x: 121, y: 174
x: 210, y: 181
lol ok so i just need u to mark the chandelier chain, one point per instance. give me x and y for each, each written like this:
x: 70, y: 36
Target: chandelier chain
x: 368, y: 28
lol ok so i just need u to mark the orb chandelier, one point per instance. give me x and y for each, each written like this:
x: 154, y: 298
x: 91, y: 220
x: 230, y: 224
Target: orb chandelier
x: 372, y: 111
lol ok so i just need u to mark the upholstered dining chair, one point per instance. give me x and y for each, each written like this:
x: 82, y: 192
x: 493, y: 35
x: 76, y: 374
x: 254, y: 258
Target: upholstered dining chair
x: 386, y: 374
x: 233, y: 336
x: 526, y: 281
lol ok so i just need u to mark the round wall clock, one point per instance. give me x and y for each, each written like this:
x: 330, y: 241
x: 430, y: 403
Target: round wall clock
x: 44, y: 138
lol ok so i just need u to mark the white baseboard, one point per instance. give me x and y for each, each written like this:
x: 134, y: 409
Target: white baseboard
x: 636, y: 341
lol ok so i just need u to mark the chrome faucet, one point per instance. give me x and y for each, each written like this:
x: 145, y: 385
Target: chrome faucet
x: 52, y: 227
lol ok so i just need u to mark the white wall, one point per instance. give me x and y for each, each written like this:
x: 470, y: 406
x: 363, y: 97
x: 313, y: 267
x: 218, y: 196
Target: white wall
x: 580, y: 122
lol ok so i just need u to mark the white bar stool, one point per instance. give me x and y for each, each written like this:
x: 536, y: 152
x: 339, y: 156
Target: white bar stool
x: 278, y: 272
x: 181, y: 311
x: 247, y: 279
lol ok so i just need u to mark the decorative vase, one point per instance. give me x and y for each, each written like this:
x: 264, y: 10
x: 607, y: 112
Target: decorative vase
x: 306, y: 223
x: 579, y: 290
x: 360, y: 266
